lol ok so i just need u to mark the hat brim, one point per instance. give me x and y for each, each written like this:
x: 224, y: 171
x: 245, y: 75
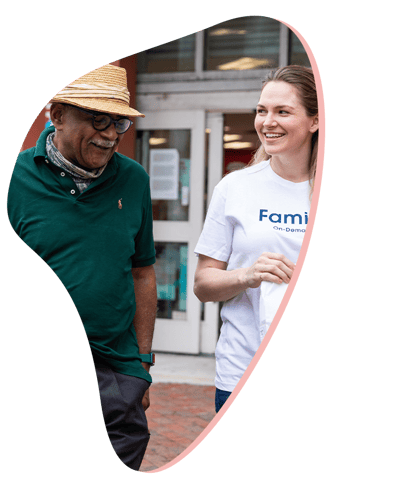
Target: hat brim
x: 106, y: 105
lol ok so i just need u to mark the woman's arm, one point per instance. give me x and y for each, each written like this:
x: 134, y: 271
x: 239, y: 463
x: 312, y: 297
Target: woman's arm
x: 214, y: 283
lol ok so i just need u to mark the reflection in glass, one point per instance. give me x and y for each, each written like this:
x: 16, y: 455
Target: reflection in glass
x: 171, y: 277
x: 244, y: 43
x: 166, y: 171
x: 297, y: 52
x: 177, y: 55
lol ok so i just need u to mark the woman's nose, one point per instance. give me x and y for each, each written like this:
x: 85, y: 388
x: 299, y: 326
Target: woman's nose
x: 270, y: 120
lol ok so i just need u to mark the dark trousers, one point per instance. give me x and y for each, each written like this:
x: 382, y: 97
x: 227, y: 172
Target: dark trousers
x: 121, y: 399
x: 221, y: 396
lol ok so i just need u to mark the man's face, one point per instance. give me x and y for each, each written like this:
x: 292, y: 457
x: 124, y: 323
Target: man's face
x: 78, y: 141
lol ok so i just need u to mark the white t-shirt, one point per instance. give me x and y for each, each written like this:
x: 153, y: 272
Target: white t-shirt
x: 252, y: 210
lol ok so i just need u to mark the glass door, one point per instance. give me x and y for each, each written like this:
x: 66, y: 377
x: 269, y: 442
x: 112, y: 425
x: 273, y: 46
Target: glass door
x: 171, y: 146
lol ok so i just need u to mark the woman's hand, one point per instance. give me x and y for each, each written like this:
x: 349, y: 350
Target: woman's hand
x: 214, y: 283
x: 272, y: 267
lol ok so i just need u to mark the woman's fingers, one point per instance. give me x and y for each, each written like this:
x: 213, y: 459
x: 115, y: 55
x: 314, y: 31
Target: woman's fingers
x: 278, y: 257
x: 271, y: 267
x: 274, y: 273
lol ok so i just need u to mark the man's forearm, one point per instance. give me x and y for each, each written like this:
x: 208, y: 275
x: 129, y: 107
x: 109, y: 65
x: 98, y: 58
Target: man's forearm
x: 146, y: 305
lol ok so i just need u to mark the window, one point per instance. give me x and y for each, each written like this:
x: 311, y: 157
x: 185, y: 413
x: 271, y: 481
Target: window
x: 243, y: 43
x: 171, y: 276
x: 178, y: 55
x: 168, y: 170
x: 237, y: 49
x: 297, y: 52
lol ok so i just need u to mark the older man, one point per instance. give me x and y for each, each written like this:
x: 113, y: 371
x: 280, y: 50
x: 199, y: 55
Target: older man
x: 86, y: 210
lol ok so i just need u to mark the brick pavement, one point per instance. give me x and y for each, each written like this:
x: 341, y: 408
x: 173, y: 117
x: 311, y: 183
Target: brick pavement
x: 176, y: 417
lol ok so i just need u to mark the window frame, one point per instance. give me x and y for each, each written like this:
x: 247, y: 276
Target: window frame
x: 146, y: 81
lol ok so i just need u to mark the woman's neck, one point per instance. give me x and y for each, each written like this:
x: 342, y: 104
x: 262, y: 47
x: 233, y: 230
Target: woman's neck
x: 295, y: 168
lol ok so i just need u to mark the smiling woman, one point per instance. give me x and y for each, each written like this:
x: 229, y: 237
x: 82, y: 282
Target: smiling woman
x: 295, y: 91
x: 246, y: 256
x: 285, y: 130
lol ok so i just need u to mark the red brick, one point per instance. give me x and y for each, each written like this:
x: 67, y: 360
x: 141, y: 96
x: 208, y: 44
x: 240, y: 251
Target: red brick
x: 177, y: 416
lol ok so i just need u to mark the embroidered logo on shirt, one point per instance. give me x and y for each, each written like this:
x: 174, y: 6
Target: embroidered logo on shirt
x: 120, y: 204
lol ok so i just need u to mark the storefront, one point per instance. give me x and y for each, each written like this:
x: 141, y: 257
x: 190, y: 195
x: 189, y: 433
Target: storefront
x: 199, y: 95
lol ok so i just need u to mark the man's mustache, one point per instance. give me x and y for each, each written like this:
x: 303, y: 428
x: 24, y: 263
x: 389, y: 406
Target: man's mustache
x: 104, y: 143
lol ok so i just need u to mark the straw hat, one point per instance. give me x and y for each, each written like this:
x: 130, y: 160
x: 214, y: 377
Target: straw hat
x: 104, y: 89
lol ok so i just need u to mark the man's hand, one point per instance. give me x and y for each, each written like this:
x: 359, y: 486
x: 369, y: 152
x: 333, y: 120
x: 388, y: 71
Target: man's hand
x: 146, y: 401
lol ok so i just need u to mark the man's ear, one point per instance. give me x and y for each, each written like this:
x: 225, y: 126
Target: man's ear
x: 57, y: 114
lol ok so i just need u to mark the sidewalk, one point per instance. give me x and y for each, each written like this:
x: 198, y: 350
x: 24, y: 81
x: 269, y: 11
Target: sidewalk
x: 182, y: 405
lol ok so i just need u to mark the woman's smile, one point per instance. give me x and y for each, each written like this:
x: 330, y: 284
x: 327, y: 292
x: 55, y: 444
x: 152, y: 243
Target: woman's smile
x: 282, y: 123
x: 272, y: 136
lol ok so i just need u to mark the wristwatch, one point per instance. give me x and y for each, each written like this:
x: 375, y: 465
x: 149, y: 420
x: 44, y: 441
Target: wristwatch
x: 148, y: 358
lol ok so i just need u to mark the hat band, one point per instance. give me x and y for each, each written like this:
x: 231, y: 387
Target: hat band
x: 95, y: 91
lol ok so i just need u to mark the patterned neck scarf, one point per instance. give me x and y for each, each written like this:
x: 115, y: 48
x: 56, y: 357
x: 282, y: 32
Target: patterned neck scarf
x: 81, y: 177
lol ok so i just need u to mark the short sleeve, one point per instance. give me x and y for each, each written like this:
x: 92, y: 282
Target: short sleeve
x: 144, y: 241
x: 216, y: 238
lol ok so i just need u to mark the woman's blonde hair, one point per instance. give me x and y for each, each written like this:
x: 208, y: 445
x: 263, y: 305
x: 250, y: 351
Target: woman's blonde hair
x: 302, y: 79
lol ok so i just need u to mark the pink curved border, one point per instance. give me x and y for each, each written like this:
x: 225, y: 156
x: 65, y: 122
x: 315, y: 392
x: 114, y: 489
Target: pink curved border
x: 298, y: 268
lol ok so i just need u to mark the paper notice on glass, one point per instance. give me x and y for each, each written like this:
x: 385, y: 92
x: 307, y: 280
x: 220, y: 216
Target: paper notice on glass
x: 164, y: 173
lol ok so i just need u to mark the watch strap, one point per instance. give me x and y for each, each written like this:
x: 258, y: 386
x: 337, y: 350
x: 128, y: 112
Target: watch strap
x: 148, y: 358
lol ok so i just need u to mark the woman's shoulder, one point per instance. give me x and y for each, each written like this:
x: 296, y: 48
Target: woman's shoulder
x: 233, y: 182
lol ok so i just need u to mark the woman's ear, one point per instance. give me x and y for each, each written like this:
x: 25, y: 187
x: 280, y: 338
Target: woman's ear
x: 315, y: 124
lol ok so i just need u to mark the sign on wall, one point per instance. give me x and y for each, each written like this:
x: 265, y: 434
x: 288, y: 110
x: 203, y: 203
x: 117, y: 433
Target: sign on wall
x: 164, y: 173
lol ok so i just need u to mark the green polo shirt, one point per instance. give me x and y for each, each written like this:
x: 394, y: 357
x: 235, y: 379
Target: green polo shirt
x: 91, y: 241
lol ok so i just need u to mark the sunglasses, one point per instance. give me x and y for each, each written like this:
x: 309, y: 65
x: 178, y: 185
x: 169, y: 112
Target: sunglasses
x: 101, y: 122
